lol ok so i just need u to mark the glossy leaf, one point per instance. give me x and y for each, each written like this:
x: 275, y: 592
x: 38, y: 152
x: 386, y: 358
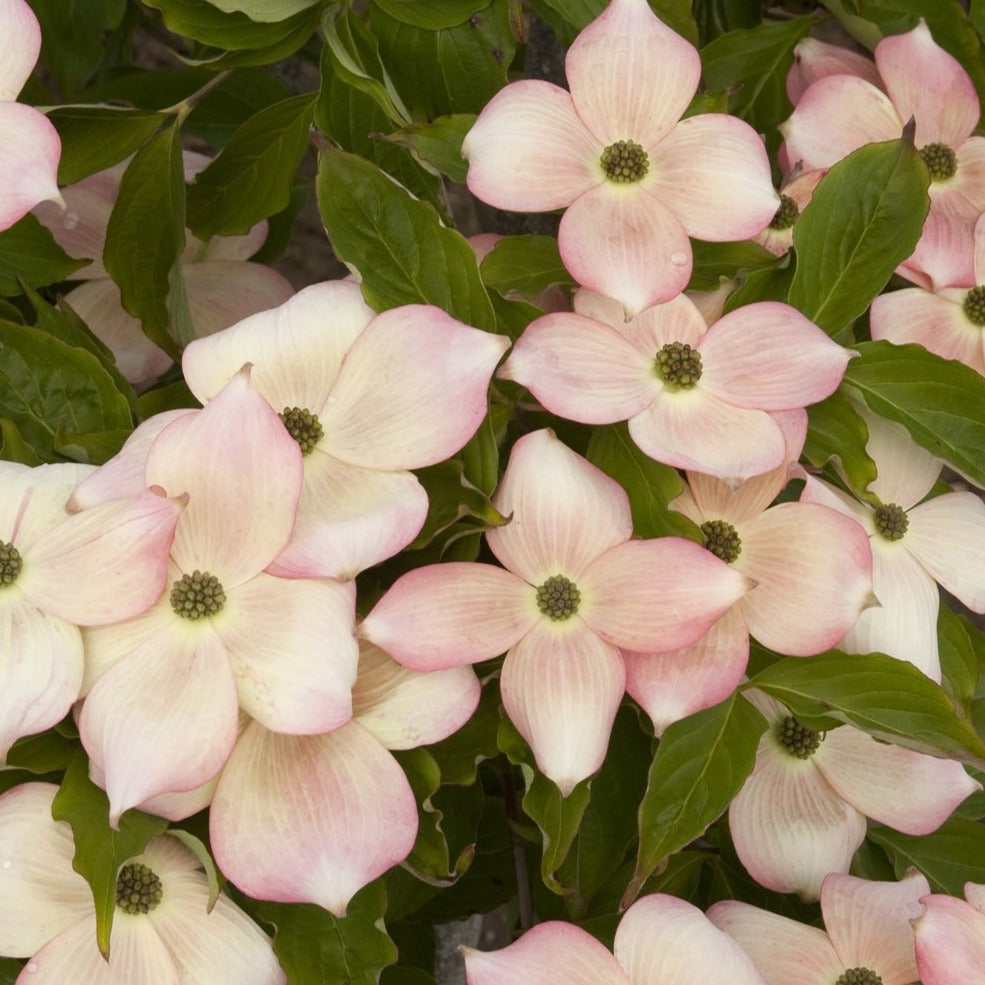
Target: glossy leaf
x: 525, y: 264
x: 713, y: 261
x: 13, y: 448
x: 959, y: 661
x: 836, y: 433
x: 437, y: 144
x: 424, y: 13
x: 28, y: 251
x: 265, y: 11
x: 47, y: 752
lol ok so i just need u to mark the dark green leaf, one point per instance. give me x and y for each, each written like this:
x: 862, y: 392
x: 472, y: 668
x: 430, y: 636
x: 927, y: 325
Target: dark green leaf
x: 13, y: 448
x: 837, y: 432
x: 700, y: 764
x: 45, y: 753
x: 426, y: 13
x: 198, y: 849
x: 765, y: 284
x: 168, y: 397
x: 959, y: 661
x: 437, y: 144
x: 525, y: 264
x: 716, y: 17
x: 713, y: 261
x: 29, y: 252
x: 865, y: 217
x: 265, y: 11
x: 674, y: 13
x: 9, y: 970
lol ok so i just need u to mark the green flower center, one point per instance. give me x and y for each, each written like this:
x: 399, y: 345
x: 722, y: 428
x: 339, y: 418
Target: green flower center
x: 891, y: 521
x: 941, y: 161
x: 679, y: 365
x: 786, y: 215
x: 797, y: 739
x: 303, y: 426
x: 197, y: 596
x: 558, y: 598
x: 859, y: 976
x: 138, y: 889
x: 722, y: 540
x: 10, y: 564
x: 625, y: 162
x: 974, y: 305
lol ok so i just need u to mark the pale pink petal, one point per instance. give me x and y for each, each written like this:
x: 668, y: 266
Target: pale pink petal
x: 40, y: 669
x: 694, y: 429
x: 950, y: 941
x: 817, y: 491
x: 657, y: 595
x: 928, y: 84
x: 582, y: 369
x: 30, y: 149
x: 311, y: 818
x: 165, y: 718
x: 32, y: 500
x: 411, y: 391
x: 291, y: 646
x: 870, y: 776
x: 663, y: 940
x: 223, y: 292
x: 906, y: 471
x: 944, y: 255
x: 790, y: 829
x: 624, y: 243
x: 223, y: 248
x: 869, y: 923
x: 349, y: 518
x: 712, y: 172
x: 947, y: 536
x: 404, y: 708
x: 565, y: 512
x: 529, y: 151
x: 768, y: 355
x: 296, y: 349
x: 173, y: 806
x: 670, y: 686
x: 784, y: 950
x: 561, y: 687
x: 40, y: 893
x: 835, y: 116
x: 961, y: 199
x: 631, y: 76
x: 813, y: 569
x: 676, y: 320
x: 814, y: 59
x: 978, y: 235
x: 544, y: 953
x: 242, y: 472
x: 104, y: 564
x: 446, y: 615
x: 20, y: 45
x: 974, y: 893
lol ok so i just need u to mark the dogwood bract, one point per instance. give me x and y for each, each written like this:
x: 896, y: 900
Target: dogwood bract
x: 950, y: 937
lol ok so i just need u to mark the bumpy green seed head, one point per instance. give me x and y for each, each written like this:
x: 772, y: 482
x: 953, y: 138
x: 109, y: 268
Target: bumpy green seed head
x: 974, y: 305
x: 891, y: 521
x: 197, y: 596
x: 138, y: 889
x: 625, y: 162
x: 722, y: 540
x: 303, y: 426
x: 786, y: 215
x: 558, y: 598
x: 10, y: 564
x: 941, y: 161
x: 796, y: 739
x: 859, y: 976
x: 679, y: 365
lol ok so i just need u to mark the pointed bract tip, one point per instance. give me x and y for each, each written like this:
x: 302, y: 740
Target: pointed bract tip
x: 909, y: 129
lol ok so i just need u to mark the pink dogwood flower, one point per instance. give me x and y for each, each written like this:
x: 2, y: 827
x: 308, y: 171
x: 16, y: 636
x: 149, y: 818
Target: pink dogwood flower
x: 661, y: 940
x: 802, y: 811
x: 950, y: 937
x: 30, y: 147
x: 164, y: 932
x: 795, y: 196
x: 575, y: 589
x: 814, y: 59
x: 867, y: 937
x: 695, y: 397
x: 367, y: 397
x: 636, y: 180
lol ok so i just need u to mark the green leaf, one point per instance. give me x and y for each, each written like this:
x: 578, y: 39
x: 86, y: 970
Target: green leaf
x: 949, y: 857
x: 959, y: 660
x: 715, y: 17
x: 426, y: 13
x: 10, y: 969
x: 99, y: 849
x: 265, y: 11
x: 765, y: 284
x: 837, y: 433
x: 713, y: 261
x: 45, y: 753
x: 314, y: 947
x: 674, y: 13
x: 13, y: 448
x: 864, y: 219
x: 146, y: 234
x: 253, y: 174
x: 29, y: 252
x: 649, y: 484
x: 700, y: 764
x: 397, y: 243
x: 524, y: 264
x: 888, y: 698
x: 438, y: 144
x: 941, y: 402
x: 197, y: 847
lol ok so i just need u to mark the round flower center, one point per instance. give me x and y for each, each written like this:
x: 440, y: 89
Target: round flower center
x: 941, y: 161
x: 138, y: 889
x: 786, y: 215
x: 722, y: 540
x: 678, y: 364
x: 197, y: 596
x: 303, y: 426
x: 859, y: 976
x: 891, y: 521
x: 10, y: 564
x: 798, y: 740
x: 558, y: 598
x: 625, y: 162
x: 974, y: 305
